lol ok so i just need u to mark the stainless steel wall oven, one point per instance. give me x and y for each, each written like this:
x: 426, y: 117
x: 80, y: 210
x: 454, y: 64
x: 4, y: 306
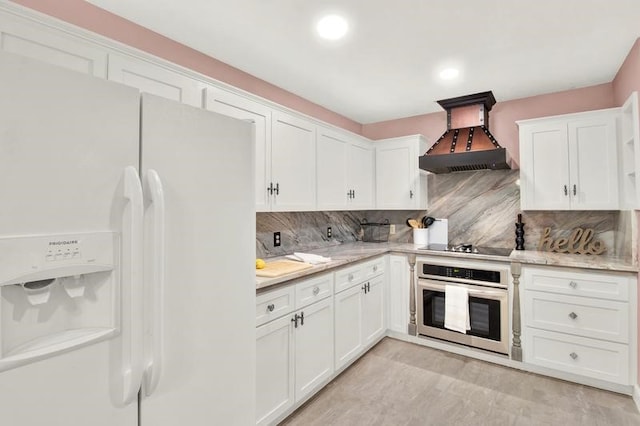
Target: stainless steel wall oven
x: 487, y: 284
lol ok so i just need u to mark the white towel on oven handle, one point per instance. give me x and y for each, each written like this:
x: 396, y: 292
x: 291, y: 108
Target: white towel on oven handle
x: 456, y: 309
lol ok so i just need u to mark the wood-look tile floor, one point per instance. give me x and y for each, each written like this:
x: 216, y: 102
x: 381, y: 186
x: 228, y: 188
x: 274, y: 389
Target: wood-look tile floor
x: 398, y: 383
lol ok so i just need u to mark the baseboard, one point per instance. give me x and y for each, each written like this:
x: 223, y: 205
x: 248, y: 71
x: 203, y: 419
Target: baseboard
x: 636, y: 396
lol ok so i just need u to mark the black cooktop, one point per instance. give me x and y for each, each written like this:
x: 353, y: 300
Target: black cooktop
x: 469, y: 249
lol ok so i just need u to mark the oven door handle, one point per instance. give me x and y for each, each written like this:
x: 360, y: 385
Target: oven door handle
x: 493, y: 293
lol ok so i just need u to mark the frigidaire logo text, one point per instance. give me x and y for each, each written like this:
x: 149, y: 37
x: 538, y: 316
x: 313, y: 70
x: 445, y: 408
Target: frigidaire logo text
x: 62, y: 243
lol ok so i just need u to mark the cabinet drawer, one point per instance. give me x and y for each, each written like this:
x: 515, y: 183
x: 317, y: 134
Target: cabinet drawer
x: 352, y: 275
x: 600, y: 319
x: 372, y: 268
x: 312, y: 290
x: 348, y: 277
x: 273, y: 304
x: 577, y: 355
x: 592, y: 284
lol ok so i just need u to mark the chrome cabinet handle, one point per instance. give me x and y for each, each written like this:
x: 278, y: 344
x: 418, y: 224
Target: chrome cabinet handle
x: 573, y: 284
x: 573, y: 355
x: 316, y: 290
x: 277, y: 189
x: 566, y: 190
x: 573, y: 315
x: 302, y: 318
x: 410, y: 193
x: 270, y: 188
x: 375, y: 268
x: 350, y: 277
x: 364, y: 287
x: 271, y: 307
x: 574, y: 189
x: 353, y: 191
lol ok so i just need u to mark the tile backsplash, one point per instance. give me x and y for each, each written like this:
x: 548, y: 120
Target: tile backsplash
x: 481, y: 206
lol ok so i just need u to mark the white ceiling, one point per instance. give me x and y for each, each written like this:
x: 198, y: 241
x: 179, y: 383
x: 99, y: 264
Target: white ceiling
x: 387, y: 65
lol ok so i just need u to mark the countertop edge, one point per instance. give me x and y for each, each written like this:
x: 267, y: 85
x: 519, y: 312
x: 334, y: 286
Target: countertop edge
x: 355, y: 252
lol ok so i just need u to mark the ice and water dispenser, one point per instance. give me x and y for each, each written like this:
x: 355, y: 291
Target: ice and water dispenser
x: 57, y: 293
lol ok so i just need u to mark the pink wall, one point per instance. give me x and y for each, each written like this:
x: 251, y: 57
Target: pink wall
x: 92, y: 18
x: 627, y: 81
x: 502, y: 117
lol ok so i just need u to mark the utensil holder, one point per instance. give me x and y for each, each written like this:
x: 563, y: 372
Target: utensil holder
x: 421, y: 236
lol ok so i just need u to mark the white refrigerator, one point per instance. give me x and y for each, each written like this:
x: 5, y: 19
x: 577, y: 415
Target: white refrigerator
x: 127, y: 248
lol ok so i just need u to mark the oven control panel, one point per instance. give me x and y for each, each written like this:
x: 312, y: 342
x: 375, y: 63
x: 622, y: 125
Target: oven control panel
x: 462, y: 274
x: 466, y: 273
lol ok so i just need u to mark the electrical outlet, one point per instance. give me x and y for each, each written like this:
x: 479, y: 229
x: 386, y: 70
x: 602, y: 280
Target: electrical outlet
x: 329, y: 232
x: 276, y: 239
x: 392, y: 229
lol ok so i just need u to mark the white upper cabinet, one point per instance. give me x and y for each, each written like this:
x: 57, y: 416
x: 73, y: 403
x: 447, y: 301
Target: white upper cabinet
x: 236, y: 106
x: 332, y: 174
x: 345, y: 177
x: 569, y: 162
x: 361, y: 175
x: 400, y: 184
x: 154, y: 79
x: 629, y: 150
x: 293, y: 163
x: 54, y: 47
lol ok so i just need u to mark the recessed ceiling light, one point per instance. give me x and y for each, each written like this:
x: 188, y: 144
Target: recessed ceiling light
x: 332, y: 27
x: 449, y: 73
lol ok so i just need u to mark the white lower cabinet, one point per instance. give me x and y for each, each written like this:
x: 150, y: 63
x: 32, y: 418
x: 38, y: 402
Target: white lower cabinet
x: 295, y: 350
x: 307, y: 330
x: 579, y: 322
x: 398, y: 293
x: 313, y: 343
x: 359, y: 316
x: 275, y: 370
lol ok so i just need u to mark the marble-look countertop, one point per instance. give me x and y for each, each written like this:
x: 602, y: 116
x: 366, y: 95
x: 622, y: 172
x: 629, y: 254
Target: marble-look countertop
x: 586, y: 261
x: 348, y: 253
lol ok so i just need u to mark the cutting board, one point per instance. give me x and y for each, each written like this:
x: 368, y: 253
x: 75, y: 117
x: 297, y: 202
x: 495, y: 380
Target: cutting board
x: 281, y: 267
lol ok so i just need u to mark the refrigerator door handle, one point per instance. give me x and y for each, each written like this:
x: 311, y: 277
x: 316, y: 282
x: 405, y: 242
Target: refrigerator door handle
x: 131, y: 285
x: 155, y: 284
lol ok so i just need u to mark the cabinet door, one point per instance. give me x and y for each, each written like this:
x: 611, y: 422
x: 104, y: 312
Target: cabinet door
x: 154, y: 79
x: 331, y: 160
x: 274, y: 370
x: 348, y: 325
x: 293, y: 165
x: 236, y: 106
x: 373, y: 325
x: 51, y: 46
x: 313, y: 347
x: 593, y: 164
x: 361, y: 175
x: 544, y: 162
x: 398, y: 290
x: 394, y: 178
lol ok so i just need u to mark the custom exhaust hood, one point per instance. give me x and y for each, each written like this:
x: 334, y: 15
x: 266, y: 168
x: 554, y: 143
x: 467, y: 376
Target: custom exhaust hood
x: 467, y: 144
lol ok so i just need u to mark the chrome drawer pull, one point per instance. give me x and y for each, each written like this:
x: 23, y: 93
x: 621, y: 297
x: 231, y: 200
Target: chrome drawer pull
x: 350, y: 277
x: 316, y: 290
x: 573, y: 284
x: 573, y: 355
x: 573, y: 315
x: 271, y: 307
x: 375, y: 268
